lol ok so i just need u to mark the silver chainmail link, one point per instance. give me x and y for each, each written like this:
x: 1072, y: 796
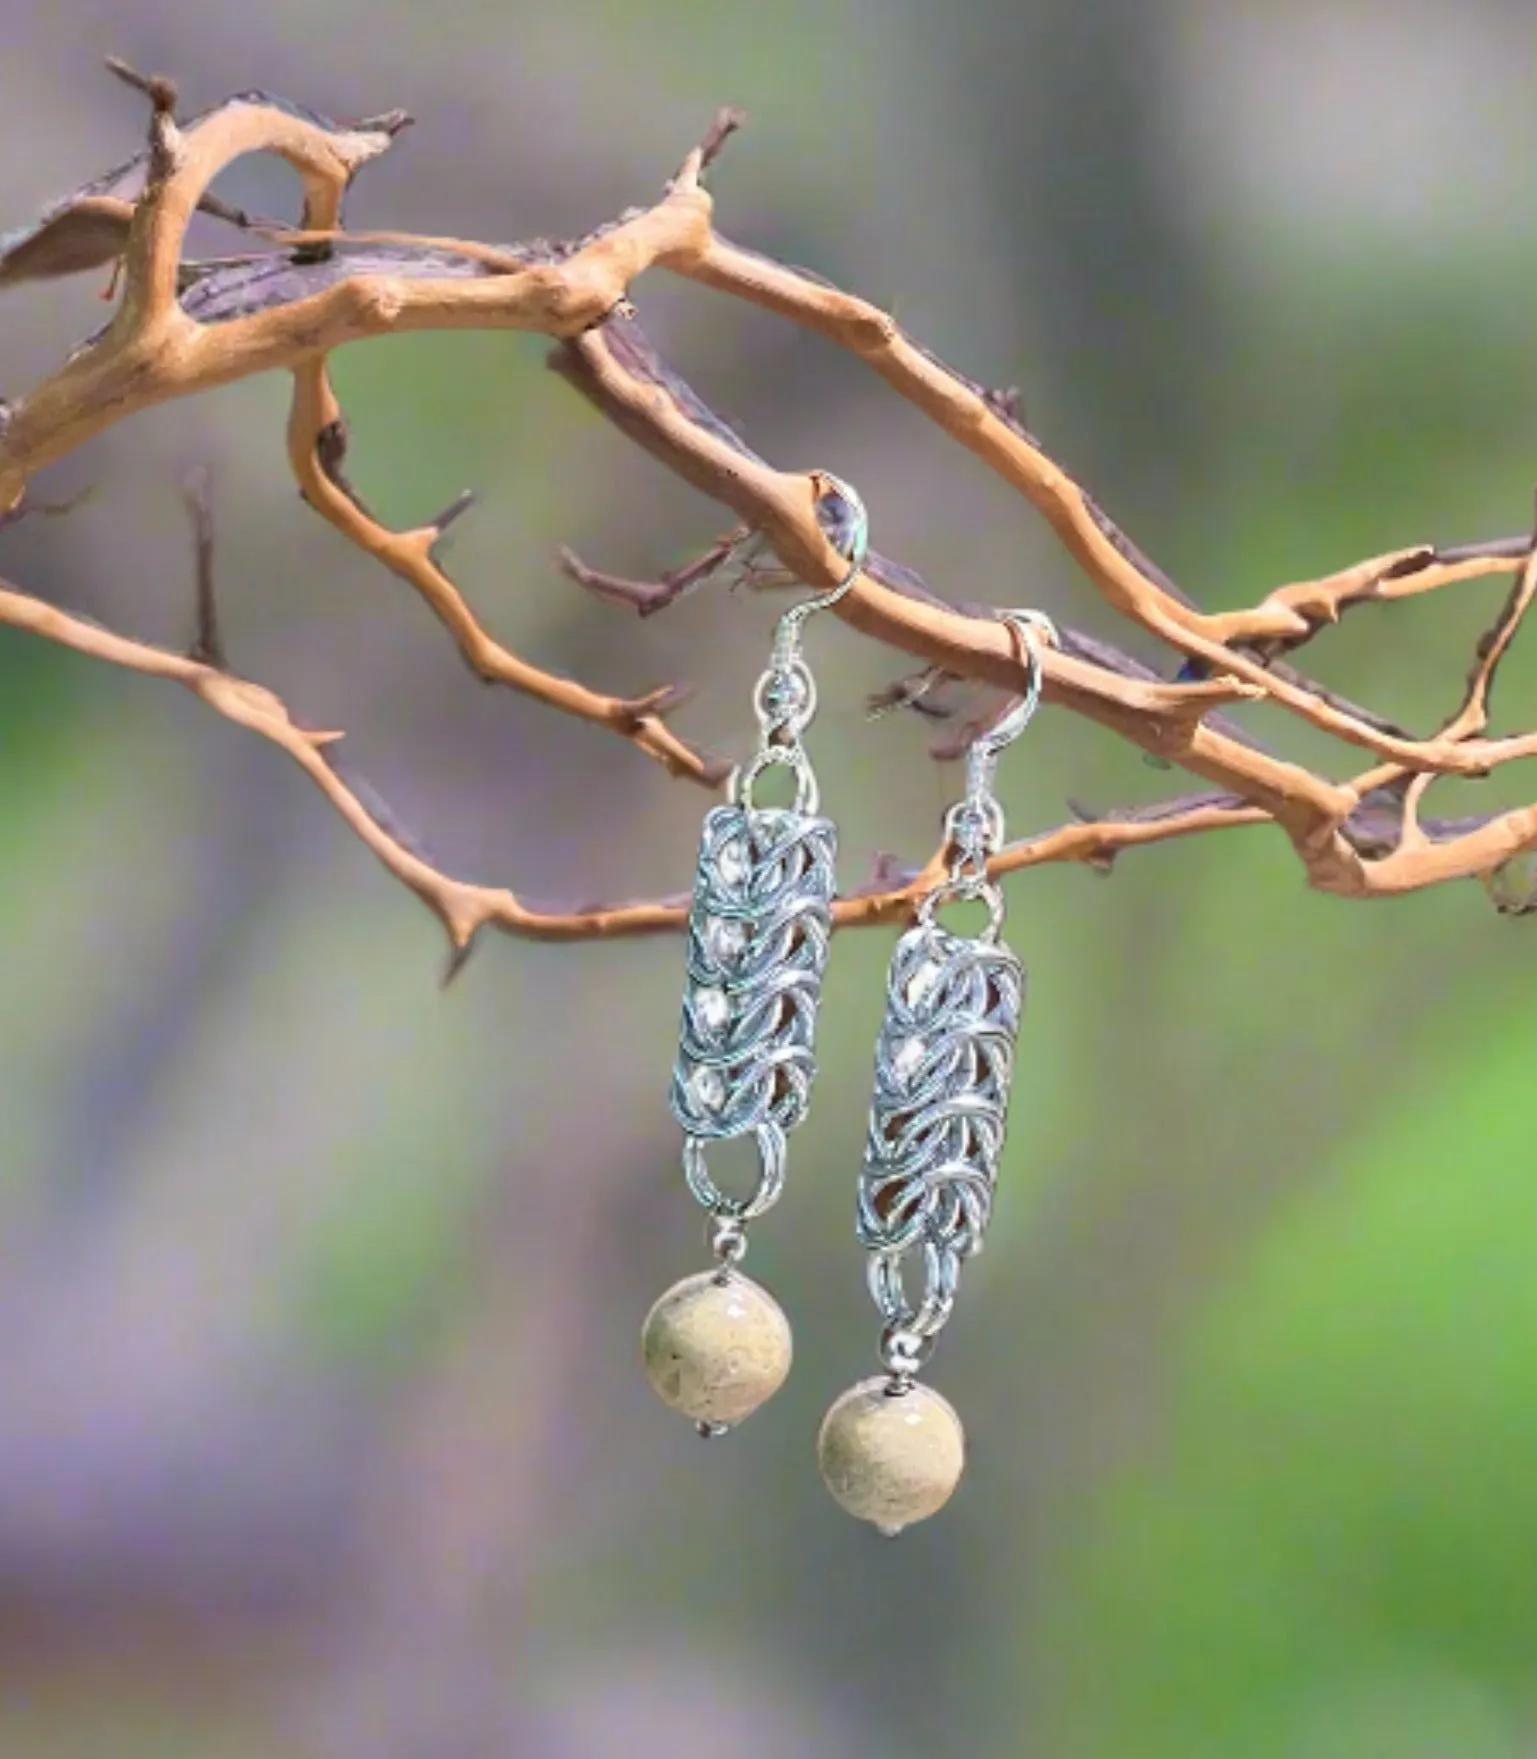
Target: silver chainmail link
x: 759, y: 929
x: 757, y: 947
x: 944, y: 1062
x: 943, y: 1065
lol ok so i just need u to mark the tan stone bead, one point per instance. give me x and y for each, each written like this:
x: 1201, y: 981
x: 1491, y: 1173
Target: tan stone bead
x: 891, y: 1458
x: 715, y: 1346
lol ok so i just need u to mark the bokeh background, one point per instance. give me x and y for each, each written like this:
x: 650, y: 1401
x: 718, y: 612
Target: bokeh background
x: 321, y: 1430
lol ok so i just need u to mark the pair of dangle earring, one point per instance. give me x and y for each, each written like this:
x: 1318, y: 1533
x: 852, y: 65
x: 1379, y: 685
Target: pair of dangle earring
x: 891, y: 1449
x: 717, y: 1345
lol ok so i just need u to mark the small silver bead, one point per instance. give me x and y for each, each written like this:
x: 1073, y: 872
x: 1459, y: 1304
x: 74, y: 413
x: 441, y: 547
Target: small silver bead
x: 727, y: 1240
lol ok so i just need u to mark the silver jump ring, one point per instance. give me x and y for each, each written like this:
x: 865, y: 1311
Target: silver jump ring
x: 941, y: 1279
x: 791, y: 757
x: 966, y: 889
x: 785, y: 701
x: 765, y: 1193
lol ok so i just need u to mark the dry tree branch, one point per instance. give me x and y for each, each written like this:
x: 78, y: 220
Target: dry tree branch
x: 465, y: 908
x: 317, y: 441
x: 181, y: 327
x: 462, y: 907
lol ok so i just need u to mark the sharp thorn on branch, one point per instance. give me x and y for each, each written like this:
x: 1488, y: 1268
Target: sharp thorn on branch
x: 658, y: 703
x: 390, y: 122
x: 727, y: 121
x: 458, y: 958
x: 456, y: 509
x: 160, y: 91
x: 631, y: 716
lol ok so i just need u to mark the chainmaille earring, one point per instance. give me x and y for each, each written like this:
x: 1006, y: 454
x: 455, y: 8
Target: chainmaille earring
x: 717, y: 1345
x: 892, y: 1450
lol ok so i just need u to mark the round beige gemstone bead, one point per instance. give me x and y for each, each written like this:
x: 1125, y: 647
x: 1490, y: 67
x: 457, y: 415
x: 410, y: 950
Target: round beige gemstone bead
x: 715, y: 1346
x: 891, y: 1458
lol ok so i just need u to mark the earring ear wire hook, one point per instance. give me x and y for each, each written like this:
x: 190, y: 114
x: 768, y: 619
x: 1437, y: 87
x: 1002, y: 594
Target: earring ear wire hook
x: 984, y: 751
x: 785, y: 698
x: 787, y: 635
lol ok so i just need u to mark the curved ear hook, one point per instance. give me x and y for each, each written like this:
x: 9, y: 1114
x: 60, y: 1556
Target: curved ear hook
x: 1032, y: 625
x: 852, y: 539
x: 786, y: 694
x: 974, y: 825
x: 983, y: 752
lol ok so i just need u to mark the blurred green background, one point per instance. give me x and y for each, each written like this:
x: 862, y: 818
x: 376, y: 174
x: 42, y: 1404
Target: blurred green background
x: 321, y: 1429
